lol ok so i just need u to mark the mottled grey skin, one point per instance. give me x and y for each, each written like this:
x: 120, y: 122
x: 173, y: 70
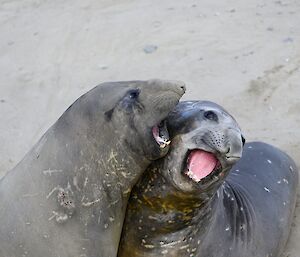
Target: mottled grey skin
x: 245, y: 211
x: 68, y: 196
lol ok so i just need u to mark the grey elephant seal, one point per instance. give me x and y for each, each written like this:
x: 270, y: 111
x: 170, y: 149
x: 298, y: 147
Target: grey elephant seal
x: 194, y: 203
x: 68, y: 196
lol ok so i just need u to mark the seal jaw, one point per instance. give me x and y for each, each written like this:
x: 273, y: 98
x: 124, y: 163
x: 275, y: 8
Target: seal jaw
x: 161, y: 135
x: 158, y: 98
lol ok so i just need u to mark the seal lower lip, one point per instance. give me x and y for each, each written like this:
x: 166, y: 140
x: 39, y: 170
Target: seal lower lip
x: 201, y: 164
x: 161, y: 134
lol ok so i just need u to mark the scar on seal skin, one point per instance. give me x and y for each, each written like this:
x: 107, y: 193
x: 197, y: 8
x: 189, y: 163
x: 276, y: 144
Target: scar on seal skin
x: 207, y: 199
x: 69, y: 194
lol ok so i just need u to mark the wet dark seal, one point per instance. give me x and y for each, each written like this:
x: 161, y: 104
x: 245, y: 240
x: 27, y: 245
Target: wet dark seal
x: 68, y: 196
x: 194, y: 203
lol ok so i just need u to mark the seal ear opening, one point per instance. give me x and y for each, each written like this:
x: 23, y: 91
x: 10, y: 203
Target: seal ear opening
x: 108, y: 114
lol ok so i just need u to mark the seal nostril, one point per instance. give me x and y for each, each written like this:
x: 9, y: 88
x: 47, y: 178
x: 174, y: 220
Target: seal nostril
x: 183, y: 88
x: 243, y: 140
x: 228, y: 150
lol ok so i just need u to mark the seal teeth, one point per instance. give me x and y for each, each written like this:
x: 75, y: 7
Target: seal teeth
x: 192, y: 176
x: 161, y: 135
x: 164, y: 144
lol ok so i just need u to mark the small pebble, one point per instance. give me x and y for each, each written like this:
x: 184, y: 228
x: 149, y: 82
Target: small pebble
x: 149, y: 49
x: 156, y: 24
x: 288, y: 40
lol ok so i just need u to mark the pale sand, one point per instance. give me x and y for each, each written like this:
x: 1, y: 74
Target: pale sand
x: 244, y: 55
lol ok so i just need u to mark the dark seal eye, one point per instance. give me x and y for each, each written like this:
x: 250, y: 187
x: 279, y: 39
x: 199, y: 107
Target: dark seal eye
x: 210, y: 115
x: 133, y: 93
x: 131, y: 101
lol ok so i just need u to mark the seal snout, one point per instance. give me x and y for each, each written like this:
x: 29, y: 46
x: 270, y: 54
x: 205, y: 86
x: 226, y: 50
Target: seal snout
x: 178, y: 87
x: 175, y: 86
x: 234, y: 146
x: 181, y: 88
x: 214, y: 150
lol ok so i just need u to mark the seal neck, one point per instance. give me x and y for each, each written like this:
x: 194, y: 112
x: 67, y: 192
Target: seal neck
x: 171, y: 209
x: 172, y: 220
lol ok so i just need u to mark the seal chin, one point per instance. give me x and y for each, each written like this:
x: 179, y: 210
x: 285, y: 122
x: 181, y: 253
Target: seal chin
x: 161, y: 135
x: 202, y: 166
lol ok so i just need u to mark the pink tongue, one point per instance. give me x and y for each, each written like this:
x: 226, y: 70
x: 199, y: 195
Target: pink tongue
x: 201, y: 163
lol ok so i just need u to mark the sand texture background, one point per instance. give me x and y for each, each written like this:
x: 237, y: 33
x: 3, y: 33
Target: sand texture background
x: 244, y: 55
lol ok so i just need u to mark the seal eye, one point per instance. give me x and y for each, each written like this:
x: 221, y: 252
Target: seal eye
x: 130, y: 100
x: 210, y: 115
x: 133, y: 93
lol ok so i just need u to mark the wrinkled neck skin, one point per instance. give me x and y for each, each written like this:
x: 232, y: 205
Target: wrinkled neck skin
x: 171, y: 218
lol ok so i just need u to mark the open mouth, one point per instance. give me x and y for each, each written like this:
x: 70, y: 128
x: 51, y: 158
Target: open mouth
x: 161, y: 134
x: 201, y: 165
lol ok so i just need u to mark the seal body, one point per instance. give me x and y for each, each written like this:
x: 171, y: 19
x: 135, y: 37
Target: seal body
x: 244, y: 210
x: 68, y: 196
x: 253, y: 209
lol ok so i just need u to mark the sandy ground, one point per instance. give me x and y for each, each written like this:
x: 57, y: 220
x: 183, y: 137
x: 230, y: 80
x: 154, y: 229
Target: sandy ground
x: 244, y: 55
